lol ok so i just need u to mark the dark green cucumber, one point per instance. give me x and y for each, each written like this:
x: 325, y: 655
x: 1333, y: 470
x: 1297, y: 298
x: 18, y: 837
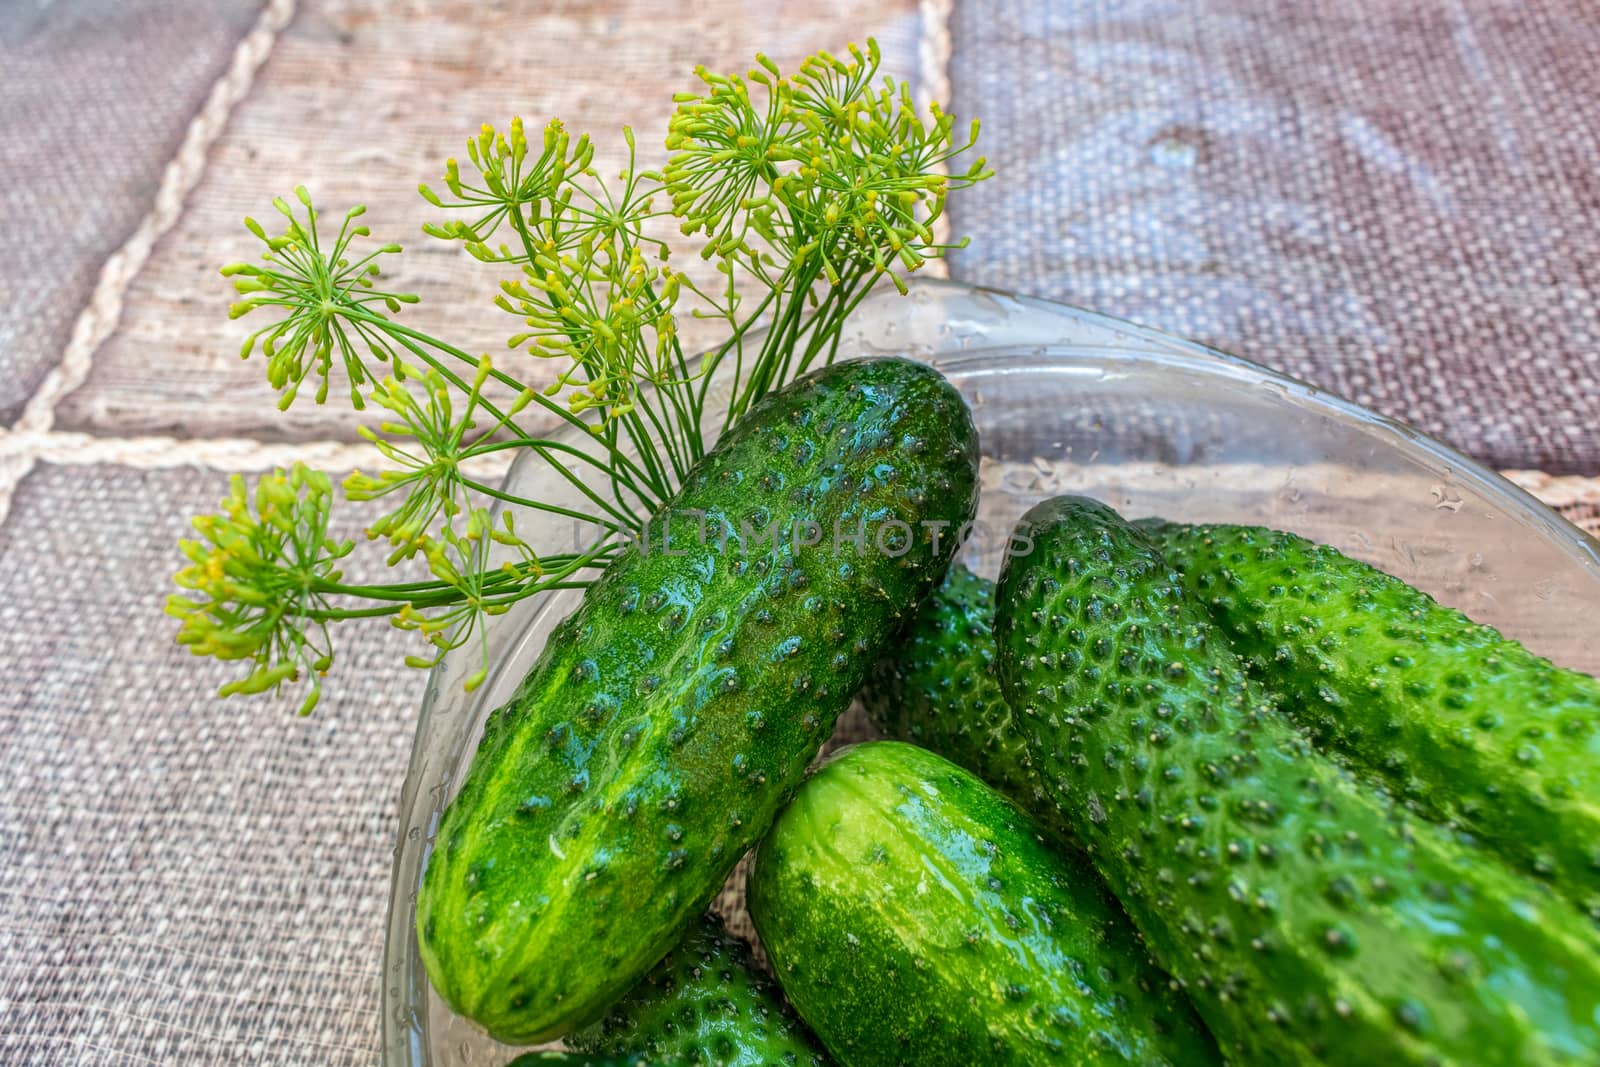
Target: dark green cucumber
x: 1458, y: 717
x: 705, y: 1005
x: 674, y: 711
x: 1311, y: 920
x: 938, y: 687
x: 915, y: 916
x: 941, y: 689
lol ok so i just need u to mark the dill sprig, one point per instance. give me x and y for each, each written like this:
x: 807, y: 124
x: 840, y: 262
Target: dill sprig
x: 802, y: 191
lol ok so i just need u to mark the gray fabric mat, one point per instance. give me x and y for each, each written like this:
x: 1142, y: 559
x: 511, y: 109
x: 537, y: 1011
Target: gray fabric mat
x: 86, y: 126
x: 1396, y: 201
x: 182, y: 880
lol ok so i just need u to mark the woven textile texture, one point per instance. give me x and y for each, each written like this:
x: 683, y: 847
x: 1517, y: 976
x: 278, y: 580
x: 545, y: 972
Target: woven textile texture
x: 182, y: 880
x: 86, y: 126
x: 363, y: 99
x: 1398, y: 202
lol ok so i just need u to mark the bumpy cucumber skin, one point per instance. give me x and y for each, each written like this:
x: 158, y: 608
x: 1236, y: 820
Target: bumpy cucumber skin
x: 1310, y: 921
x: 705, y: 1005
x: 675, y: 710
x: 1456, y: 716
x: 938, y: 687
x: 917, y: 917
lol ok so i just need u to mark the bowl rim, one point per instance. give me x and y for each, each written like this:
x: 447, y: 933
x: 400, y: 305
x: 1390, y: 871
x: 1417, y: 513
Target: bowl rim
x: 1514, y: 500
x: 1148, y: 345
x: 1205, y: 357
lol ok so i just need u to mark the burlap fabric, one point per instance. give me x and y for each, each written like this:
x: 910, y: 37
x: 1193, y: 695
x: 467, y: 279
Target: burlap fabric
x: 86, y: 125
x: 181, y: 880
x: 195, y: 882
x: 1395, y: 201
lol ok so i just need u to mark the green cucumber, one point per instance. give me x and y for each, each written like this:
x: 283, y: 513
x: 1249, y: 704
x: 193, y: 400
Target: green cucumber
x: 1456, y: 716
x: 915, y: 916
x: 1310, y: 919
x: 938, y: 687
x: 674, y: 711
x: 705, y: 1004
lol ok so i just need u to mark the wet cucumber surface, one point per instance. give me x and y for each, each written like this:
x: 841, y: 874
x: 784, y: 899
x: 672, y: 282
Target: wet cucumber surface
x: 674, y: 711
x: 1310, y: 920
x: 938, y: 687
x: 706, y: 1003
x: 1457, y: 717
x: 915, y: 916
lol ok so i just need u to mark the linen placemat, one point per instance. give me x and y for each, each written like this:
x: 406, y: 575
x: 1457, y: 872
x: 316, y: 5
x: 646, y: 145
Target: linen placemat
x: 1398, y: 202
x: 94, y: 99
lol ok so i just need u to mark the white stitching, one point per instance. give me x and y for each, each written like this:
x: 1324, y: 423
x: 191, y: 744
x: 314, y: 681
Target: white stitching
x: 221, y: 453
x: 247, y: 454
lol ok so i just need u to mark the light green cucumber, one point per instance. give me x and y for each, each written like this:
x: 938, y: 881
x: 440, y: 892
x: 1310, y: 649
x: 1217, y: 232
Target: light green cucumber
x: 917, y: 917
x: 670, y: 716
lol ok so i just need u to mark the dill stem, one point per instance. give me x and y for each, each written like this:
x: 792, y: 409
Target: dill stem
x: 736, y: 342
x: 553, y: 509
x: 833, y: 329
x: 414, y: 340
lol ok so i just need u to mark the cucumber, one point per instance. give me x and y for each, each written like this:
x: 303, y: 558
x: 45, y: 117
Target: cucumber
x: 1310, y: 919
x: 1456, y: 716
x: 941, y: 689
x: 915, y: 916
x: 938, y: 687
x: 704, y: 1004
x: 673, y: 712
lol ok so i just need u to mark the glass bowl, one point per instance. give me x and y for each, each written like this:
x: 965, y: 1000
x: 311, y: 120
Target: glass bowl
x: 1070, y: 401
